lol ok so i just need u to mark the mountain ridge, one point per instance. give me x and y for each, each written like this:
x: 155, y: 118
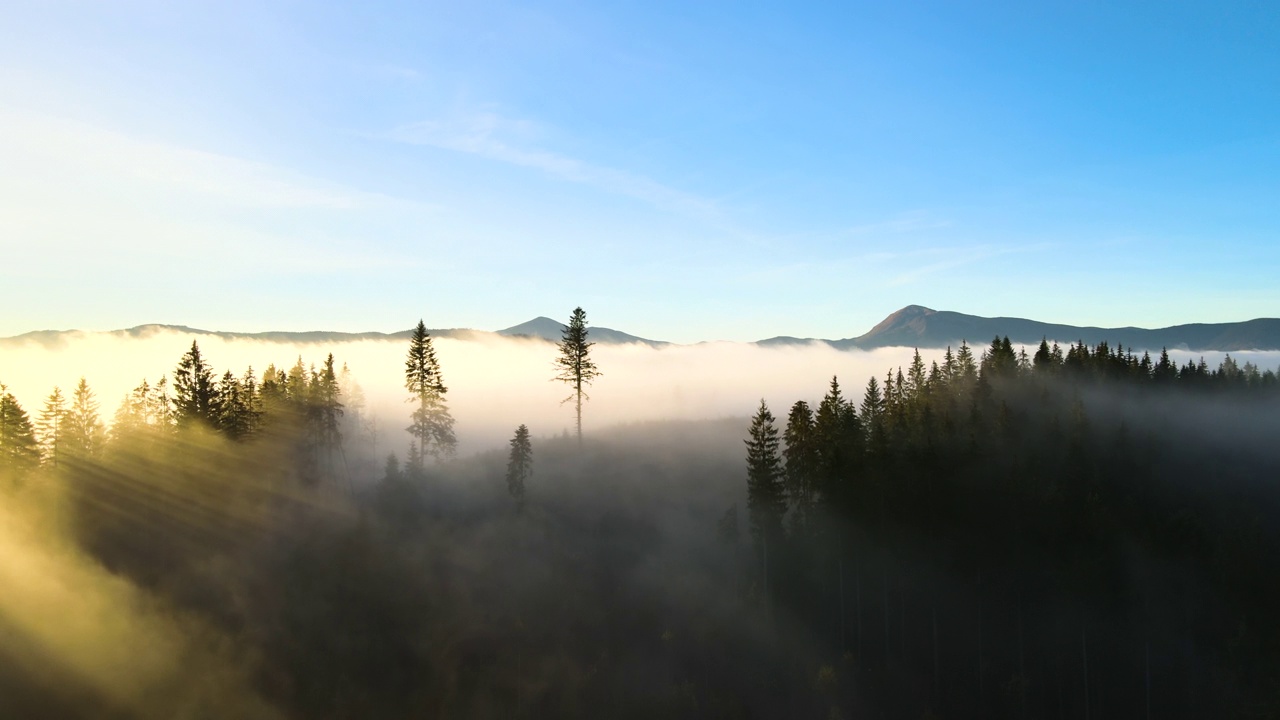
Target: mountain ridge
x: 911, y: 326
x: 920, y: 326
x: 540, y: 328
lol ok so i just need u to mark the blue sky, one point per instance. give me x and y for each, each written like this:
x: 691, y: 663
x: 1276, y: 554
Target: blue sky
x: 725, y: 171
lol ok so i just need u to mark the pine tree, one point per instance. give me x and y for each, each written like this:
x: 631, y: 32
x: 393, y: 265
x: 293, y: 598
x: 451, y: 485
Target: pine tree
x: 234, y: 408
x: 327, y: 412
x: 1042, y: 361
x: 838, y: 431
x: 916, y: 382
x: 872, y: 414
x: 391, y: 471
x: 84, y: 431
x: 766, y: 494
x: 574, y: 363
x: 999, y: 361
x: 252, y: 401
x: 519, y: 465
x: 801, y: 461
x: 296, y: 386
x: 145, y: 413
x: 18, y: 449
x: 432, y: 427
x: 195, y: 394
x: 51, y: 427
x: 949, y: 367
x: 966, y: 370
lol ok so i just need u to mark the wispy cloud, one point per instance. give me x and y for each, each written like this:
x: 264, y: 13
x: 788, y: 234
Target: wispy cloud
x: 495, y: 137
x: 78, y: 198
x: 39, y: 146
x: 950, y: 258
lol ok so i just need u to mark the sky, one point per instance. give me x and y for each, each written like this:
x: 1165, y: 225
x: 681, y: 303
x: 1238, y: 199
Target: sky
x: 720, y: 170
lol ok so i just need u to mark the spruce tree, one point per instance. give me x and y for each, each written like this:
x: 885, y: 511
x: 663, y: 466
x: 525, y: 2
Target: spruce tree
x: 235, y: 408
x: 966, y: 367
x: 519, y: 465
x: 837, y: 429
x: 327, y: 412
x: 51, y: 427
x: 18, y: 449
x: 252, y: 400
x: 84, y: 432
x: 766, y: 493
x: 1166, y: 371
x: 999, y: 361
x: 872, y: 414
x: 195, y: 393
x: 801, y: 456
x: 432, y: 427
x: 1042, y: 362
x: 574, y: 363
x: 916, y: 381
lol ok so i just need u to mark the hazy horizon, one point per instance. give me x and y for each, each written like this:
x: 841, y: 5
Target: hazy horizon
x: 495, y: 382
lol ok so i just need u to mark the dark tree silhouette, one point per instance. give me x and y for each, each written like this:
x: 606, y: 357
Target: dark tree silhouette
x: 574, y: 363
x: 432, y: 425
x: 766, y: 491
x: 519, y: 465
x: 195, y: 393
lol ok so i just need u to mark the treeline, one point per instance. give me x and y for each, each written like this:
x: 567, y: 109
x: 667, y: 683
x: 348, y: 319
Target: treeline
x: 1069, y: 534
x: 315, y: 407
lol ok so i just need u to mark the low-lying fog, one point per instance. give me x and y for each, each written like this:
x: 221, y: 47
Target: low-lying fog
x: 495, y: 383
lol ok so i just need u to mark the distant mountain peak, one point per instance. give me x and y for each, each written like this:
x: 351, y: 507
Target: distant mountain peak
x: 539, y: 327
x: 919, y: 326
x: 903, y: 317
x: 553, y: 330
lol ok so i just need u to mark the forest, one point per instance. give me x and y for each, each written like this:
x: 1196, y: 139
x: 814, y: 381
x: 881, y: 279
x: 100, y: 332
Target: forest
x: 1078, y: 532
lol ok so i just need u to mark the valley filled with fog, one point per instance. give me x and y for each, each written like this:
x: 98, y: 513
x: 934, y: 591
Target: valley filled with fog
x: 495, y: 383
x: 741, y: 531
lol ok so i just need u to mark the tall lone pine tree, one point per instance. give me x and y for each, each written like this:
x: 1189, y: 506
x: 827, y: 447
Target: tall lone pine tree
x: 432, y: 427
x: 574, y: 363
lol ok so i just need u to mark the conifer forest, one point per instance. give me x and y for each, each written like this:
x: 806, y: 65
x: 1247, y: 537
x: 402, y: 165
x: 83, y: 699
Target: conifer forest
x: 1058, y: 532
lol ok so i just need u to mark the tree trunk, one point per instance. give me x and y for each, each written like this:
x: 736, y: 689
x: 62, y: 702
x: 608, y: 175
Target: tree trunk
x: 857, y: 605
x: 885, y: 588
x: 1148, y: 683
x: 1084, y: 649
x: 1022, y: 666
x: 578, y: 406
x: 840, y: 572
x: 937, y: 677
x: 981, y: 679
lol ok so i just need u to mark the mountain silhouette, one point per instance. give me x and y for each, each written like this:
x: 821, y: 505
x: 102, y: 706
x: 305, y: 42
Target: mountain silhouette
x: 912, y: 326
x: 922, y: 327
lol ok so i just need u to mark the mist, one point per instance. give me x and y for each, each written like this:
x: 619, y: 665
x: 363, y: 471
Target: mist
x: 1003, y: 542
x: 495, y: 383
